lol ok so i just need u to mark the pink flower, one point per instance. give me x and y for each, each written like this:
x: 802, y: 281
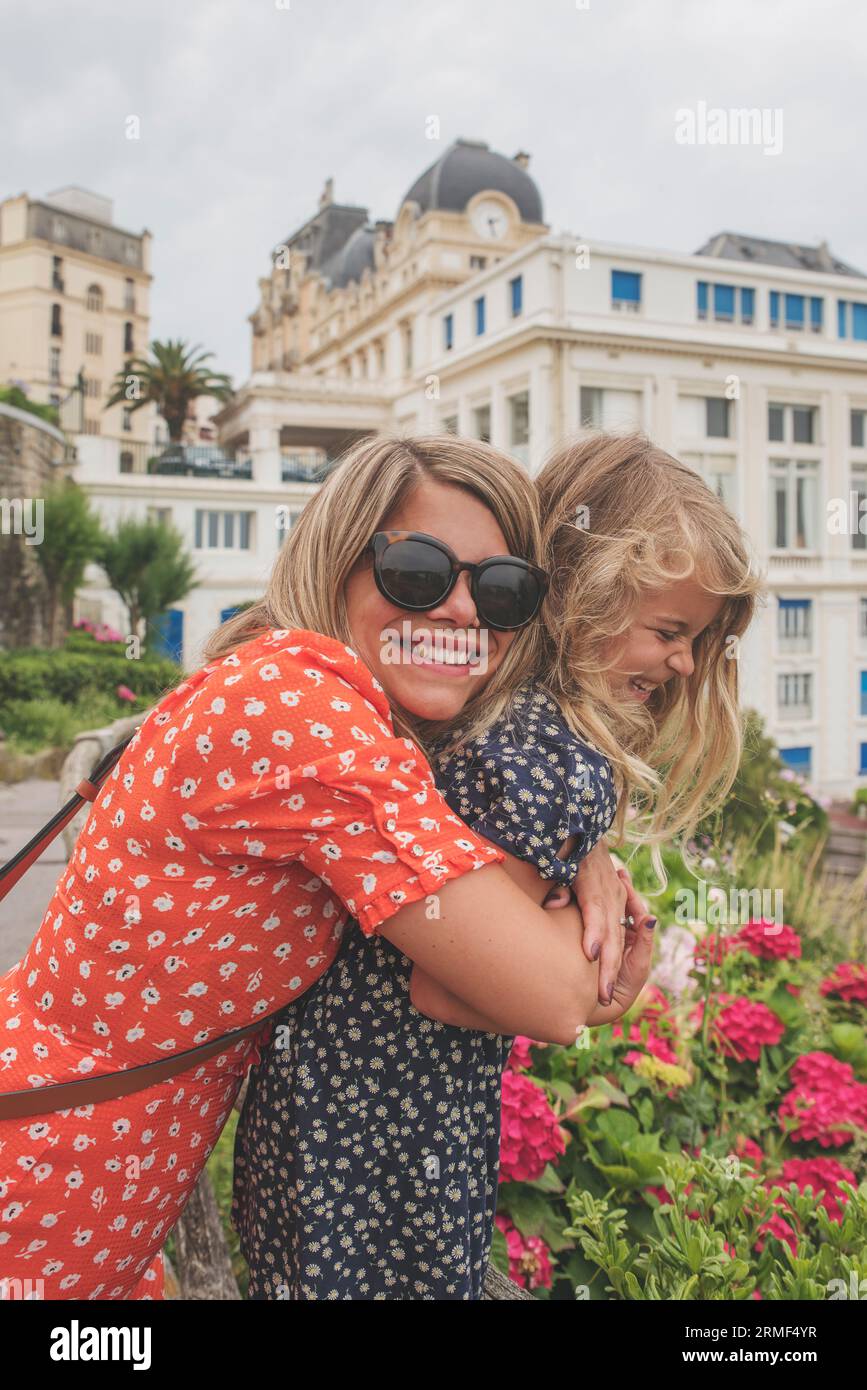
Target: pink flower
x: 123, y: 692
x: 743, y: 1027
x: 529, y: 1257
x: 662, y: 1195
x: 823, y: 1175
x: 520, y: 1058
x: 769, y: 941
x: 749, y: 1149
x: 776, y: 1226
x: 849, y: 982
x: 530, y: 1134
x: 826, y: 1101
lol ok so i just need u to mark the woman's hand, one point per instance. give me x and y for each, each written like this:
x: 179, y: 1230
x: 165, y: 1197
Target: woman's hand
x: 637, y: 957
x: 602, y: 895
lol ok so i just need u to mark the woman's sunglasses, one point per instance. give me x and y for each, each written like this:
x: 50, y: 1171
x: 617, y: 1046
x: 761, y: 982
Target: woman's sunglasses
x: 417, y: 572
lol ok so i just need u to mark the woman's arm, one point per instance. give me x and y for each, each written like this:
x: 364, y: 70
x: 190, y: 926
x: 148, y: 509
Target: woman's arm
x: 515, y: 964
x: 432, y: 998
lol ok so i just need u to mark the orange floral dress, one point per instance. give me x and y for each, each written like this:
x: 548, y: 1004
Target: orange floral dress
x: 263, y: 802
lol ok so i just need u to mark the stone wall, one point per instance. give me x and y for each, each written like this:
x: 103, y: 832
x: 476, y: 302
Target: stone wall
x: 33, y: 455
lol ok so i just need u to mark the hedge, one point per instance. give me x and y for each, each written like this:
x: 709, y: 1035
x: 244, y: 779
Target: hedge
x: 63, y: 675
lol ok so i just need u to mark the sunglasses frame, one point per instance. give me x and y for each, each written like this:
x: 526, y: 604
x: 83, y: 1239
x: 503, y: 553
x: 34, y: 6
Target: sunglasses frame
x: 381, y: 540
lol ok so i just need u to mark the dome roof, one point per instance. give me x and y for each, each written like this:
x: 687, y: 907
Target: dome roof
x: 354, y: 256
x: 469, y: 167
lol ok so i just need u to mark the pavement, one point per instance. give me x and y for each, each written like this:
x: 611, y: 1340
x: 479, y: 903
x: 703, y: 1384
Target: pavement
x: 24, y: 809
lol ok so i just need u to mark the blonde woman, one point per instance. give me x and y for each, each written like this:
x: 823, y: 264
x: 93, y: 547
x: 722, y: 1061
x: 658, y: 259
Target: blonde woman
x: 271, y: 795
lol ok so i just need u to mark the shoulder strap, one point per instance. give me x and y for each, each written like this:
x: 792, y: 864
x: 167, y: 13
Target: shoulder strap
x: 86, y: 790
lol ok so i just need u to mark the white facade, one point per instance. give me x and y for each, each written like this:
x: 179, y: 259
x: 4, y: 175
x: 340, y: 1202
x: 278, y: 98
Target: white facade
x: 571, y: 342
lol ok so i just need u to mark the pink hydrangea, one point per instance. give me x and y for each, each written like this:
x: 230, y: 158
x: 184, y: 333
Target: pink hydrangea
x: 530, y: 1135
x: 749, y: 1149
x: 849, y: 982
x: 529, y: 1257
x: 825, y: 1100
x: 769, y: 940
x: 776, y: 1226
x: 743, y: 1027
x: 520, y: 1058
x: 655, y: 1015
x: 823, y: 1175
x: 123, y: 692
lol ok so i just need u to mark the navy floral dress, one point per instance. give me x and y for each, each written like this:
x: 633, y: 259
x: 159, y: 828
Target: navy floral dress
x: 367, y: 1152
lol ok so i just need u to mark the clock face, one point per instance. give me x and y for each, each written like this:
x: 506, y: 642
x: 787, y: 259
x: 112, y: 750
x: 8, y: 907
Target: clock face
x: 490, y: 220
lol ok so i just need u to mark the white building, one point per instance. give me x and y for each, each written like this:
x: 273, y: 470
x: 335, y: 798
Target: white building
x: 748, y: 360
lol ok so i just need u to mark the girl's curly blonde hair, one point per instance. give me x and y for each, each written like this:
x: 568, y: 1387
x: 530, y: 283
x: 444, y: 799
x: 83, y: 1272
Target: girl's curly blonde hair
x: 620, y: 518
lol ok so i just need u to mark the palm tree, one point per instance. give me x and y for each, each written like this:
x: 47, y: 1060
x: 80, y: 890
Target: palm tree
x: 171, y: 377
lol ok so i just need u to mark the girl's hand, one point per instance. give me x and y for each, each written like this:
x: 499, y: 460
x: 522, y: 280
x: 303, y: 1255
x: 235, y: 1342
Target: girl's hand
x: 602, y: 896
x: 636, y: 960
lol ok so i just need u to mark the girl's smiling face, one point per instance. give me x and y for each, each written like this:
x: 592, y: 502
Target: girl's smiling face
x: 658, y: 645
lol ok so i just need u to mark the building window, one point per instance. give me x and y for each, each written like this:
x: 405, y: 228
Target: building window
x: 799, y: 760
x: 450, y: 424
x: 286, y: 518
x: 57, y: 273
x: 719, y: 471
x: 718, y: 417
x: 92, y: 387
x: 851, y: 320
x: 793, y: 424
x: 858, y: 499
x: 54, y: 365
x: 58, y: 229
x: 795, y: 625
x: 863, y: 692
x: 163, y: 515
x: 56, y: 321
x: 862, y: 619
x: 93, y: 344
x: 93, y: 302
x: 794, y: 309
x: 516, y: 296
x: 129, y: 295
x: 479, y: 315
x: 795, y: 695
x: 862, y: 761
x: 519, y: 426
x: 604, y: 409
x: 482, y: 423
x: 126, y: 461
x: 626, y: 290
x: 406, y: 337
x: 126, y: 420
x: 794, y: 502
x: 857, y: 431
x: 128, y: 345
x: 91, y: 426
x: 449, y: 332
x: 478, y: 262
x: 725, y: 303
x: 222, y: 530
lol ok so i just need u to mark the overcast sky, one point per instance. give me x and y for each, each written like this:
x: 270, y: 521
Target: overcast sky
x: 246, y: 107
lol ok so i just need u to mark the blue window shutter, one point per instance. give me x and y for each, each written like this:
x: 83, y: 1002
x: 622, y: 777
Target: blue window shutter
x: 480, y: 316
x: 795, y: 602
x: 816, y: 306
x: 748, y: 303
x: 517, y: 286
x: 794, y: 311
x: 798, y: 759
x: 448, y: 332
x: 723, y: 302
x: 859, y: 322
x: 862, y: 766
x: 775, y: 308
x: 863, y: 693
x: 626, y: 284
x: 841, y: 318
x: 701, y: 300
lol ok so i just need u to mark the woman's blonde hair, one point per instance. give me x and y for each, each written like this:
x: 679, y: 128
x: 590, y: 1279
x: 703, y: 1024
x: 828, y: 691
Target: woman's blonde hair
x: 306, y: 587
x: 620, y: 517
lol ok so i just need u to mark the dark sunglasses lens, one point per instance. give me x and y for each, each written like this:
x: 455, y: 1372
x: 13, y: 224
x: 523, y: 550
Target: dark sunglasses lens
x: 415, y: 574
x: 508, y: 595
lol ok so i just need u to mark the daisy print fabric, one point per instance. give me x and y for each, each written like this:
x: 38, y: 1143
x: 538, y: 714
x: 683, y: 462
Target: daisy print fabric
x: 264, y: 800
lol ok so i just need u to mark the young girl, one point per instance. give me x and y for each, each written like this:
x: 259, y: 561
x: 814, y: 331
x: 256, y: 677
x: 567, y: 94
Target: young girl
x: 377, y: 1179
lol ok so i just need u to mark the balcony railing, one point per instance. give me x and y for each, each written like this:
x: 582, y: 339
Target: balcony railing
x: 184, y: 461
x: 296, y: 468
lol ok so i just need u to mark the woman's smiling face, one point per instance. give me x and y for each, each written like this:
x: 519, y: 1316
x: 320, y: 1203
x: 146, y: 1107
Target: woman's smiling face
x: 424, y: 683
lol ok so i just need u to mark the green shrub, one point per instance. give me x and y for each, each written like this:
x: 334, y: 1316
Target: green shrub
x: 51, y: 723
x: 62, y: 675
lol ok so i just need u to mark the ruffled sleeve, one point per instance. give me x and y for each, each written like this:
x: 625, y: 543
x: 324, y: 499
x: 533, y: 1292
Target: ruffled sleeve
x: 300, y: 763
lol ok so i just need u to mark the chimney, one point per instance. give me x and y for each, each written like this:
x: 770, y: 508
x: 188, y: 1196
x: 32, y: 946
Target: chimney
x: 522, y: 159
x: 327, y: 195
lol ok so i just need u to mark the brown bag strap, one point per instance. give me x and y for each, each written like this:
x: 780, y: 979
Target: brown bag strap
x: 68, y: 1095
